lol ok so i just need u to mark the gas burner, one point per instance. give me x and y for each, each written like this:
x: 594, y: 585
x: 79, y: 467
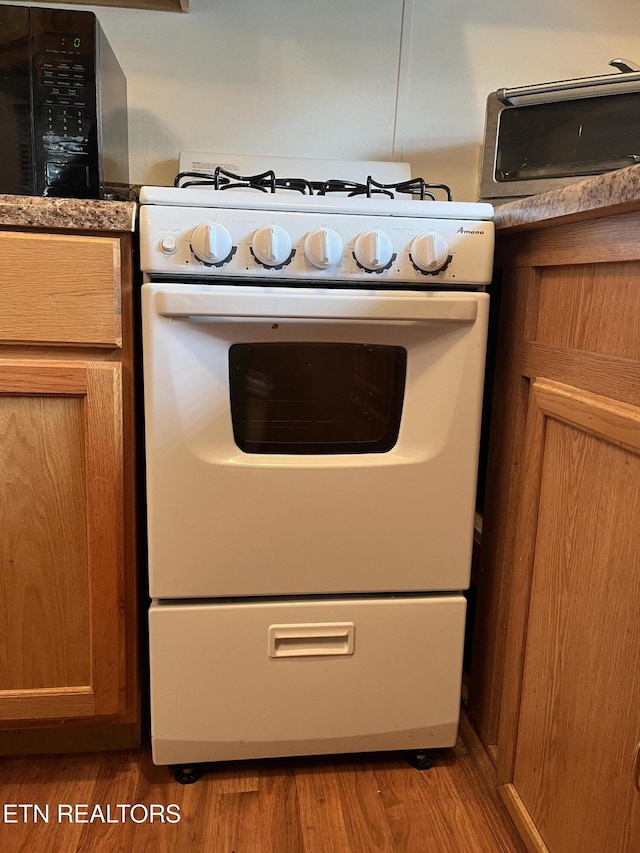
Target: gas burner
x: 267, y: 182
x: 415, y: 187
x: 351, y: 189
x: 221, y: 179
x: 419, y: 187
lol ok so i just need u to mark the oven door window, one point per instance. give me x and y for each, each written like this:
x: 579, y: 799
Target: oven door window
x: 316, y: 398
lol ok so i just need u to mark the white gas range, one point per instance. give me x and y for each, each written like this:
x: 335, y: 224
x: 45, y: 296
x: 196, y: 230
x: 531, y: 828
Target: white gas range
x: 350, y: 231
x: 313, y: 366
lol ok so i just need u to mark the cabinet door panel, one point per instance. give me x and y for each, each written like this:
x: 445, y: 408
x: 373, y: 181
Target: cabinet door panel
x: 577, y: 723
x: 44, y: 543
x: 60, y: 289
x: 61, y: 552
x: 593, y: 308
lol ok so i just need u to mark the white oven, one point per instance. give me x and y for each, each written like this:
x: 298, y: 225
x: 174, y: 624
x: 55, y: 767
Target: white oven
x: 291, y: 437
x: 311, y: 450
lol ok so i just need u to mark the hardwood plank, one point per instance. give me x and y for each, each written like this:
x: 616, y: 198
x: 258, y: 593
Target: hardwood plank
x: 484, y: 761
x: 491, y: 806
x: 280, y: 822
x: 156, y: 785
x: 322, y: 819
x: 233, y: 823
x: 414, y: 804
x: 360, y: 804
x: 365, y: 817
x: 115, y: 784
x: 237, y: 777
x: 47, y: 781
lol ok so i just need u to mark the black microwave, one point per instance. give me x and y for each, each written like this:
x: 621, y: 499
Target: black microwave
x: 63, y: 105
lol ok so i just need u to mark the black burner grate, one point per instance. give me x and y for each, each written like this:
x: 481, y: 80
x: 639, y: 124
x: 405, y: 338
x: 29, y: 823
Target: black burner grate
x: 267, y: 182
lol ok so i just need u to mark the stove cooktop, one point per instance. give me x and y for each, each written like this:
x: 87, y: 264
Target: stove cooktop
x: 331, y: 186
x: 227, y: 216
x: 269, y: 182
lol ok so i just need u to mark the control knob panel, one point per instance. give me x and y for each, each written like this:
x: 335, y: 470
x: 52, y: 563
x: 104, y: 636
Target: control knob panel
x: 323, y: 248
x: 429, y: 252
x: 211, y: 243
x: 302, y: 247
x: 271, y: 246
x: 373, y: 250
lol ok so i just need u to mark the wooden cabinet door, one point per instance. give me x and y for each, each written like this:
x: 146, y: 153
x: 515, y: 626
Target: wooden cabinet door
x: 61, y: 542
x: 61, y: 289
x: 570, y: 722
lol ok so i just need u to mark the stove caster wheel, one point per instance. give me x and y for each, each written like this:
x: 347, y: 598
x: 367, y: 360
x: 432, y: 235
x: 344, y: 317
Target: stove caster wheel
x: 187, y: 774
x: 421, y: 759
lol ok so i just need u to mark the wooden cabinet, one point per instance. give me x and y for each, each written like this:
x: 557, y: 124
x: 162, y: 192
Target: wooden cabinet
x: 555, y: 680
x: 67, y: 504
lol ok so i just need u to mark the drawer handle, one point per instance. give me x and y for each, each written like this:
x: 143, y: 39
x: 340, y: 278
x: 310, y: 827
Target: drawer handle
x: 310, y: 639
x: 636, y: 767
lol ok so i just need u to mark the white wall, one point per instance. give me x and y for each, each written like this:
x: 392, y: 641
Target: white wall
x: 457, y: 51
x: 374, y: 79
x: 291, y: 77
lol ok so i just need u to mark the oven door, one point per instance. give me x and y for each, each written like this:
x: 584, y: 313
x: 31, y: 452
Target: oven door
x: 303, y: 441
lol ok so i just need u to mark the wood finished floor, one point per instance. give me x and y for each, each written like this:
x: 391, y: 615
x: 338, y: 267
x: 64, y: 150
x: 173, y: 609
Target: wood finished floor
x: 337, y: 804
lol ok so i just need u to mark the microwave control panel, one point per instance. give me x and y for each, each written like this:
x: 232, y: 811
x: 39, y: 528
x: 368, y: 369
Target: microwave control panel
x: 64, y: 87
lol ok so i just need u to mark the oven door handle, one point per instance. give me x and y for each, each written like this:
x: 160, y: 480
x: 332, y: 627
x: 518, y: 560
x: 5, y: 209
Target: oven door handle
x: 361, y: 307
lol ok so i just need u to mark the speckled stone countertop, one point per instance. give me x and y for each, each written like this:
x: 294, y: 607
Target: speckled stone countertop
x: 67, y: 213
x: 613, y: 192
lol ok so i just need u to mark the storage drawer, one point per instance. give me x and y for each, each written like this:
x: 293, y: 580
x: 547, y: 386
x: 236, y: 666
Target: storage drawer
x: 252, y: 680
x: 60, y: 289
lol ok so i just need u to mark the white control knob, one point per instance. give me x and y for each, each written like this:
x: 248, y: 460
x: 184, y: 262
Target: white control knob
x: 373, y: 250
x: 323, y: 248
x: 271, y: 245
x: 211, y: 243
x: 429, y: 251
x: 169, y: 245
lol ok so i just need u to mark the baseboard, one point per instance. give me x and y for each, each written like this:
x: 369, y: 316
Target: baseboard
x: 520, y: 816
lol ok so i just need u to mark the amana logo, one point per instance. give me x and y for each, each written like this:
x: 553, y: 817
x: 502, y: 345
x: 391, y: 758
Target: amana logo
x: 462, y: 230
